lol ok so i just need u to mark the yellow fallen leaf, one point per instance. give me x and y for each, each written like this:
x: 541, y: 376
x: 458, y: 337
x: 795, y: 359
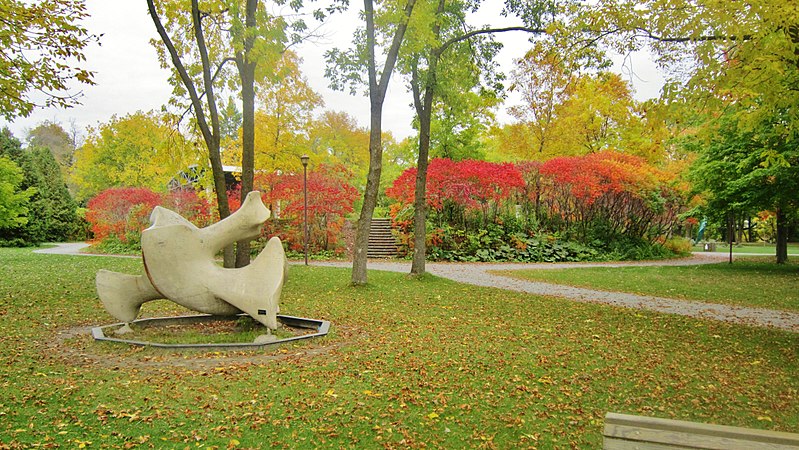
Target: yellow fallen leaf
x: 432, y: 415
x: 764, y: 418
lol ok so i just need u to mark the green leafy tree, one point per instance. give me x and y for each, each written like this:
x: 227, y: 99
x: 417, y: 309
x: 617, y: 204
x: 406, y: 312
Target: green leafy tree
x: 717, y: 54
x: 137, y: 150
x: 230, y: 120
x: 13, y: 200
x: 52, y: 135
x: 51, y: 210
x: 745, y: 169
x: 41, y: 47
x: 738, y: 57
x: 461, y: 120
x: 346, y: 69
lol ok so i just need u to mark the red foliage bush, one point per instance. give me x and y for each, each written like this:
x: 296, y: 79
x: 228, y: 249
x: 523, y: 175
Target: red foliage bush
x: 469, y: 184
x: 621, y: 192
x: 330, y: 198
x: 120, y: 212
x: 189, y: 204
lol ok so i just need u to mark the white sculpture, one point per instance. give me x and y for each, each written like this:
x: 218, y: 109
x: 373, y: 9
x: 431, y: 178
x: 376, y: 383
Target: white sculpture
x: 179, y: 265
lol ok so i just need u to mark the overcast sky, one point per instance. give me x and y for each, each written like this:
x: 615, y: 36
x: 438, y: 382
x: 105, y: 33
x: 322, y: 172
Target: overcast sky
x: 129, y: 77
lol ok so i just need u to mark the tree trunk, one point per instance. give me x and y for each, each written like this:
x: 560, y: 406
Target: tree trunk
x: 247, y: 75
x: 740, y: 230
x: 377, y: 94
x: 359, y: 276
x: 782, y: 237
x: 424, y: 110
x: 730, y: 235
x: 420, y: 194
x: 210, y: 132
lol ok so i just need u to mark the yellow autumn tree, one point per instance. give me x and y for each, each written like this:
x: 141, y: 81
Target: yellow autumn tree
x: 285, y: 106
x: 336, y: 138
x: 143, y: 149
x: 581, y: 115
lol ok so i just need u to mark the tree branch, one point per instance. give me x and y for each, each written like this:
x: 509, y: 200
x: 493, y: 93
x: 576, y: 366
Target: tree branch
x: 393, y: 51
x: 474, y: 33
x: 184, y: 75
x: 206, y: 69
x: 650, y: 35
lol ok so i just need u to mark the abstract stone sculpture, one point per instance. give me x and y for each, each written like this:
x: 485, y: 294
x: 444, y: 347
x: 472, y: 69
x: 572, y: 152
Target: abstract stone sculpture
x: 179, y: 265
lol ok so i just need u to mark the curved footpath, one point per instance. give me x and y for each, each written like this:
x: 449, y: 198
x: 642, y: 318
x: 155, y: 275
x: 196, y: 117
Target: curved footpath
x: 70, y: 248
x: 478, y: 274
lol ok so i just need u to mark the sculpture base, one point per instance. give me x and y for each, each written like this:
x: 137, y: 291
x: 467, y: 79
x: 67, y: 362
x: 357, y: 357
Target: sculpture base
x: 318, y: 328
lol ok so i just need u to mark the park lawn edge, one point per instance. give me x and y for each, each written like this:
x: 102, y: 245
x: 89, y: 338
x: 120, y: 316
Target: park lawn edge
x: 714, y: 288
x: 409, y: 363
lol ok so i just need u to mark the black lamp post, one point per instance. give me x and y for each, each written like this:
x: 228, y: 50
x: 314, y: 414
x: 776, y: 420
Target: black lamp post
x: 304, y: 159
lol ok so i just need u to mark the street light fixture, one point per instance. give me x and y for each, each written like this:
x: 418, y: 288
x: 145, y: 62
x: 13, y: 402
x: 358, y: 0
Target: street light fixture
x: 304, y: 160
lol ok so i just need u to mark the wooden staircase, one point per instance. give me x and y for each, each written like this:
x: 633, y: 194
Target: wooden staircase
x: 381, y: 241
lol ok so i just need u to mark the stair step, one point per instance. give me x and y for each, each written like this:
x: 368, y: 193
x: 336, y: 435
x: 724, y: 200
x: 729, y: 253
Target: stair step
x: 382, y: 243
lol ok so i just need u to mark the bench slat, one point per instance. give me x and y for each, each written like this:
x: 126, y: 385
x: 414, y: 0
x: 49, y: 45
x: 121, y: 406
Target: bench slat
x: 623, y: 431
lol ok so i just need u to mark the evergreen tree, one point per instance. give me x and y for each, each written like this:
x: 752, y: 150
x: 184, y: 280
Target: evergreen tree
x: 51, y: 210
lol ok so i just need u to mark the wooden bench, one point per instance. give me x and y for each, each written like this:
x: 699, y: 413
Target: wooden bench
x: 626, y: 432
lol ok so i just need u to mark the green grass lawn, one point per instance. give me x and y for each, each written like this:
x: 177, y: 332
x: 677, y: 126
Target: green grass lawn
x: 748, y: 282
x: 408, y: 364
x: 750, y: 247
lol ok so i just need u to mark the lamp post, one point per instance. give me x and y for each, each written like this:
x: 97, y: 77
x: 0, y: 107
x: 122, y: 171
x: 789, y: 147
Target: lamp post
x: 304, y: 159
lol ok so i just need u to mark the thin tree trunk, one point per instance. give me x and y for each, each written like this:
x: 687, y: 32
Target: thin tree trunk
x: 247, y: 75
x: 359, y: 276
x: 740, y: 230
x: 210, y: 132
x: 424, y: 113
x: 377, y: 94
x: 420, y: 193
x: 424, y: 110
x: 782, y: 237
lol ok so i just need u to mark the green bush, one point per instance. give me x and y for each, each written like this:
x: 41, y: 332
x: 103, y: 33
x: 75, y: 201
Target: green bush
x: 112, y: 245
x: 678, y: 245
x: 503, y: 242
x: 14, y: 242
x: 507, y: 240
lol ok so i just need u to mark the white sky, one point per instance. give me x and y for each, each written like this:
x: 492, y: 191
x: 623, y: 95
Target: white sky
x: 129, y: 77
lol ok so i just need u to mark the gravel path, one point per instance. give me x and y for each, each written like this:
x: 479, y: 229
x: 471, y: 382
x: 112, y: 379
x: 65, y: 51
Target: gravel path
x: 70, y: 248
x: 478, y: 274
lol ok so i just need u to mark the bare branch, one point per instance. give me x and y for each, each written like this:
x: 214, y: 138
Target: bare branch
x: 650, y: 35
x: 474, y: 33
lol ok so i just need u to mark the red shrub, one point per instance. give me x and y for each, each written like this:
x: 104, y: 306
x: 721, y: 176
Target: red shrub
x: 120, y: 212
x: 621, y: 192
x: 470, y: 184
x: 190, y: 205
x: 330, y: 199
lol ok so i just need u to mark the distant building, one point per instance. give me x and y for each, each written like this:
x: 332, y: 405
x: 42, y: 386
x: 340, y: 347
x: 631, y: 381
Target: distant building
x: 193, y: 175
